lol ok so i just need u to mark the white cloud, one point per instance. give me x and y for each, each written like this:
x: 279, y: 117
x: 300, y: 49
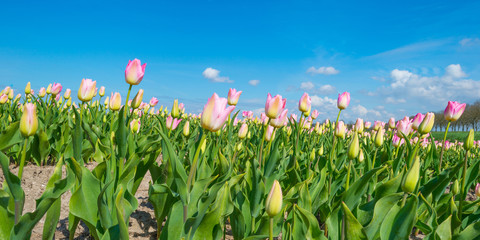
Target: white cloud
x: 468, y: 42
x: 324, y: 102
x: 361, y: 111
x: 254, y: 82
x: 322, y: 70
x: 214, y: 76
x: 307, y: 86
x: 451, y: 86
x: 327, y: 89
x: 455, y: 71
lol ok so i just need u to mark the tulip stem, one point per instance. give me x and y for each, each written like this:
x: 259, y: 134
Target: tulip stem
x: 271, y: 229
x: 443, y: 147
x: 347, y: 184
x: 126, y: 103
x: 260, y: 153
x: 462, y: 190
x: 22, y: 160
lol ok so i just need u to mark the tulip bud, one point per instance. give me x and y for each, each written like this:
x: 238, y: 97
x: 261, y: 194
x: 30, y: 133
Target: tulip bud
x: 175, y: 110
x: 391, y: 123
x: 137, y: 100
x: 354, y: 147
x: 101, y: 92
x: 315, y: 114
x: 28, y: 89
x: 67, y: 93
x: 320, y: 151
x: 359, y: 125
x: 411, y: 178
x: 115, y: 101
x: 233, y: 96
x: 340, y: 130
x: 134, y: 72
x: 455, y: 187
x: 427, y: 123
x: 56, y: 89
x: 204, y: 146
x: 69, y: 103
x: 49, y: 88
x: 273, y: 204
x: 477, y: 190
x: 361, y: 157
x: 10, y: 94
x: 42, y: 92
x: 379, y: 137
x: 305, y: 103
x: 343, y: 100
x: 454, y: 111
x: 29, y: 120
x: 186, y: 129
x: 242, y: 133
x: 468, y: 143
x: 274, y: 106
x: 135, y: 125
x: 312, y: 155
x: 270, y: 134
x: 3, y: 98
x: 239, y: 146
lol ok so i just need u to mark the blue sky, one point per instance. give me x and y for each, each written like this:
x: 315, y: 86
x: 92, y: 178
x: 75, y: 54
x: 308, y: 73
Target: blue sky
x: 395, y: 58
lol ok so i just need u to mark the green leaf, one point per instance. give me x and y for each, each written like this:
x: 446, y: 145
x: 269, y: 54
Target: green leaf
x: 53, y: 214
x: 353, y: 229
x: 10, y: 136
x: 382, y: 208
x: 399, y: 221
x: 444, y: 230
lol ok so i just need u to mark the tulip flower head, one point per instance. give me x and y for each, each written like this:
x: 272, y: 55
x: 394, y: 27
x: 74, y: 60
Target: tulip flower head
x: 404, y: 127
x: 115, y: 101
x: 343, y: 100
x: 3, y: 98
x: 477, y: 190
x: 454, y: 111
x: 153, y: 101
x: 214, y: 113
x: 42, y: 92
x: 340, y: 129
x: 468, y: 143
x: 233, y: 96
x: 417, y: 120
x: 56, y: 89
x: 354, y: 148
x: 397, y: 141
x: 175, y: 109
x: 67, y: 93
x: 270, y: 134
x: 427, y: 123
x: 368, y: 125
x: 172, y: 123
x: 281, y: 120
x: 274, y: 106
x: 28, y: 88
x: 135, y: 125
x: 391, y: 123
x: 186, y: 129
x: 274, y: 202
x: 101, y: 92
x: 305, y: 103
x: 359, y: 125
x: 29, y: 120
x: 49, y: 88
x: 314, y: 114
x: 134, y: 72
x: 242, y: 133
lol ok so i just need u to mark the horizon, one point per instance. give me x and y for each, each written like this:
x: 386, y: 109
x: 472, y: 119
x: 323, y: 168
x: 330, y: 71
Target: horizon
x: 394, y: 60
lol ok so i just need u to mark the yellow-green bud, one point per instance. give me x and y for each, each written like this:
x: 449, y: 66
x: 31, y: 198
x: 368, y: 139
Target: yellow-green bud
x: 411, y: 178
x: 312, y: 155
x: 69, y: 103
x: 28, y: 89
x: 175, y: 110
x: 186, y: 129
x: 137, y: 100
x: 242, y: 132
x: 468, y: 144
x: 379, y: 137
x: 274, y: 202
x: 239, y: 146
x: 361, y: 157
x: 29, y: 120
x: 354, y: 147
x: 320, y: 151
x: 427, y: 123
x: 455, y: 187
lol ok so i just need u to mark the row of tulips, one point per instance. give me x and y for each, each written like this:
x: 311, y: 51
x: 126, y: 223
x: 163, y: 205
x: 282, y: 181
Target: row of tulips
x: 268, y: 176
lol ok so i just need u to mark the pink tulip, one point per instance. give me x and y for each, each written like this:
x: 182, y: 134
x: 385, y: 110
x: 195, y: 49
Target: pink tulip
x: 454, y: 111
x: 404, y: 126
x: 359, y: 125
x: 368, y: 125
x: 153, y: 101
x: 29, y: 120
x: 314, y: 114
x: 343, y: 100
x: 274, y: 106
x: 377, y: 125
x: 67, y: 93
x: 270, y: 134
x: 305, y: 103
x: 86, y: 90
x: 242, y: 133
x: 247, y: 114
x: 340, y: 129
x: 172, y: 125
x: 477, y: 190
x: 281, y: 120
x: 56, y: 88
x: 3, y: 98
x: 233, y: 96
x: 181, y: 107
x: 293, y: 117
x: 417, y: 120
x: 134, y: 72
x: 115, y: 101
x: 42, y: 92
x: 214, y: 113
x: 391, y: 123
x: 397, y: 141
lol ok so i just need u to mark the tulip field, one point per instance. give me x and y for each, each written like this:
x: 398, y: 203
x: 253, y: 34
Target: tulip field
x: 224, y: 173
